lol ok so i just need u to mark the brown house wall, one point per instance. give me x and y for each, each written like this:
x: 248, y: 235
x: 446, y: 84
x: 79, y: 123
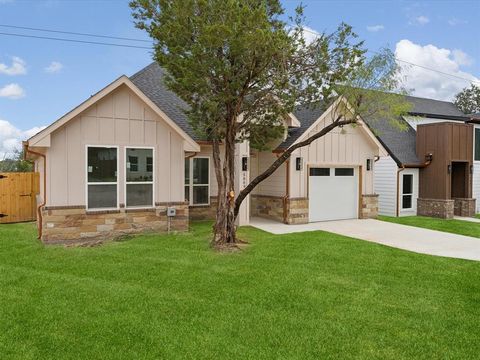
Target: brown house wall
x: 448, y: 142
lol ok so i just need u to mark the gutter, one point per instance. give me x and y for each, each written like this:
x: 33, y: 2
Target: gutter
x: 39, y: 208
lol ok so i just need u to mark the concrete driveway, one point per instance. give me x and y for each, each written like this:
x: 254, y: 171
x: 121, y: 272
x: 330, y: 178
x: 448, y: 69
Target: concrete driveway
x: 404, y: 237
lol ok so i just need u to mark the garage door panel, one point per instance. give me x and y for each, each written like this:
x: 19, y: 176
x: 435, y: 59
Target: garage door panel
x: 333, y: 194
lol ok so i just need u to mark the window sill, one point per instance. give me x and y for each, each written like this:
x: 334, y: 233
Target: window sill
x: 102, y: 211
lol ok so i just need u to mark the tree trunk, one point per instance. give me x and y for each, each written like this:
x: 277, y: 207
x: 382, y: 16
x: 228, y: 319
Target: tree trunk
x: 224, y: 228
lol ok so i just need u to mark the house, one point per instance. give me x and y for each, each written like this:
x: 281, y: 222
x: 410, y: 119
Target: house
x: 432, y: 167
x: 126, y: 160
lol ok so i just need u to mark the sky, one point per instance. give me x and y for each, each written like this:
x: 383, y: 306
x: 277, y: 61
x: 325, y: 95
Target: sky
x: 40, y: 80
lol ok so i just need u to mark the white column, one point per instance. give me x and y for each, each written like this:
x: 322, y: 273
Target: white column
x: 242, y: 179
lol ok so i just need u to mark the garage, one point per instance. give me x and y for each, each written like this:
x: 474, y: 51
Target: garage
x: 333, y: 193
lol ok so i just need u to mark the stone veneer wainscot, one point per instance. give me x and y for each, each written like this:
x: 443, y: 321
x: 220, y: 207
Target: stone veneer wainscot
x: 74, y: 224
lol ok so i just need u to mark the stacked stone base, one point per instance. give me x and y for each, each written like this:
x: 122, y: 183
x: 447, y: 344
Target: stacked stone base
x: 204, y: 212
x: 464, y: 207
x: 369, y: 206
x: 439, y: 208
x: 69, y: 225
x: 269, y: 207
x: 297, y: 211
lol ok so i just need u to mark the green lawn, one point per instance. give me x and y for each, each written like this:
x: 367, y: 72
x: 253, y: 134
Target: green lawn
x: 460, y: 227
x: 300, y: 296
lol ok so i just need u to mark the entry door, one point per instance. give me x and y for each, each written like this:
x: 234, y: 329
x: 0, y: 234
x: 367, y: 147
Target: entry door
x: 333, y: 193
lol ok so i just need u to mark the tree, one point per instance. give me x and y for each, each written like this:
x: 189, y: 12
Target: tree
x: 468, y: 100
x: 15, y: 163
x: 242, y: 70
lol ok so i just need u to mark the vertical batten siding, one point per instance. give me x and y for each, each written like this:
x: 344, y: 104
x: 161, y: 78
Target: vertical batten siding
x: 349, y: 146
x: 120, y: 119
x: 385, y: 185
x: 275, y: 185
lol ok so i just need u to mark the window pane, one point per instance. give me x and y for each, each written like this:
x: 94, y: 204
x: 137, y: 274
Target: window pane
x: 344, y: 172
x: 139, y: 195
x: 319, y: 171
x: 102, y: 196
x: 102, y: 164
x: 200, y: 195
x: 187, y: 171
x: 406, y: 201
x: 138, y: 166
x: 407, y: 184
x: 187, y: 193
x: 477, y: 144
x: 200, y: 171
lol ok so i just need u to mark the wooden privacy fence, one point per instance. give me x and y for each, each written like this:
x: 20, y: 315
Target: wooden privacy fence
x: 18, y: 192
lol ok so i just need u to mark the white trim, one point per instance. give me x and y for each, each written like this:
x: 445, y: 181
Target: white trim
x: 191, y: 185
x: 101, y: 183
x: 381, y: 150
x: 122, y: 80
x: 125, y: 182
x: 407, y: 194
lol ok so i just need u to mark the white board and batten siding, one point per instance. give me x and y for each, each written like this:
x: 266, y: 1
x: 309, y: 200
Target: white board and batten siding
x: 120, y: 119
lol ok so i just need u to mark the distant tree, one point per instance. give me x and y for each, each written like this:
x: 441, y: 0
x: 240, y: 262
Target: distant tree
x: 14, y: 162
x: 468, y: 100
x: 242, y: 70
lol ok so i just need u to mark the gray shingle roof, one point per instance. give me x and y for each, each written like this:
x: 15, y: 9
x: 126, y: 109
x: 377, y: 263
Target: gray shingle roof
x: 400, y: 144
x: 430, y: 107
x: 150, y: 81
x: 307, y: 115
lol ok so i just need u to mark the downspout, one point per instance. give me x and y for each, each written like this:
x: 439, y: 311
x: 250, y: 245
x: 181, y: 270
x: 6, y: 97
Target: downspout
x: 287, y: 192
x: 39, y: 208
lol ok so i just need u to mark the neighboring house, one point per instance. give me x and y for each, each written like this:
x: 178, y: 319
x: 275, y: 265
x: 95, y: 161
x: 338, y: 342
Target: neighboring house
x: 433, y: 167
x: 126, y: 161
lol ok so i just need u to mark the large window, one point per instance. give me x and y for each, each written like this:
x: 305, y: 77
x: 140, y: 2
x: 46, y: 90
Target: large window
x: 139, y: 176
x: 102, y: 179
x: 407, y: 191
x: 477, y: 144
x: 197, y: 180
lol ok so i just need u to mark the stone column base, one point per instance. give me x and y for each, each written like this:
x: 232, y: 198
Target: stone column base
x: 464, y: 207
x: 297, y: 211
x: 74, y: 224
x: 369, y: 206
x: 439, y: 208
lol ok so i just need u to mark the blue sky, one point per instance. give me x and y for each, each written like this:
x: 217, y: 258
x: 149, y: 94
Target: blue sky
x: 40, y: 80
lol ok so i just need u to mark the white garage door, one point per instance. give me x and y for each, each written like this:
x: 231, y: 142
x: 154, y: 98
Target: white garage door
x: 333, y: 193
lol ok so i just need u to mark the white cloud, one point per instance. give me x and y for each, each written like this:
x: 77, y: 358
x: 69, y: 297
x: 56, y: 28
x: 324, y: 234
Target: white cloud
x: 431, y: 84
x: 54, y: 67
x: 18, y: 67
x: 422, y: 20
x: 455, y: 22
x: 11, y: 137
x: 12, y: 91
x: 309, y: 34
x: 375, y: 28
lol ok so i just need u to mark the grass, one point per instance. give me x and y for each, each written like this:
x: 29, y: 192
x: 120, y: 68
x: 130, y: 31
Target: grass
x: 453, y: 226
x: 298, y: 296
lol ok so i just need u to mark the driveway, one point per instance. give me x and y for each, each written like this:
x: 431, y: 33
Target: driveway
x: 404, y: 237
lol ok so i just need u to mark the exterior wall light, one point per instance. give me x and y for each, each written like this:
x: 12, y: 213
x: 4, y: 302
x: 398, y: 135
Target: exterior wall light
x: 244, y: 163
x: 369, y: 164
x: 449, y: 169
x: 298, y: 163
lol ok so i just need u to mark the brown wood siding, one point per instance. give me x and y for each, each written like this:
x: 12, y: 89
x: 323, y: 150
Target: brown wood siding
x: 448, y: 142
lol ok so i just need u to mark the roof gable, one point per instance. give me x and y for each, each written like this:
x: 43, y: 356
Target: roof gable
x: 39, y: 139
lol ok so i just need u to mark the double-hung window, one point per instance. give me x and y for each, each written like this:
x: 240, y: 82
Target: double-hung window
x: 102, y: 177
x: 139, y: 176
x: 197, y: 180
